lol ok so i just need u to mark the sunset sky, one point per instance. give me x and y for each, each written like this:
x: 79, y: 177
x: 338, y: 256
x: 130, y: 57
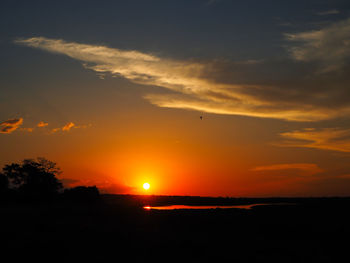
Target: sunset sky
x: 113, y: 91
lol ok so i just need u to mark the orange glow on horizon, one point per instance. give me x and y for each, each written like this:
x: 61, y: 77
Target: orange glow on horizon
x: 186, y: 168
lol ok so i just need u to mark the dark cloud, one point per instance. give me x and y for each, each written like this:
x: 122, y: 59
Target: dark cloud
x: 116, y: 189
x: 104, y: 186
x: 68, y: 182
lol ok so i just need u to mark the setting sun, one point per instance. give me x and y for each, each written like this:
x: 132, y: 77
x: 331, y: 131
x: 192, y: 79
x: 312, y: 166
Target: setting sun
x: 146, y: 186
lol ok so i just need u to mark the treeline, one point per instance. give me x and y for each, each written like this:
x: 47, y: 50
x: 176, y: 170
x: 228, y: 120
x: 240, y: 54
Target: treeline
x: 36, y: 180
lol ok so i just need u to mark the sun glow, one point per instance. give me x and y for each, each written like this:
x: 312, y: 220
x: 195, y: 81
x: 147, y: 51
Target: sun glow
x: 146, y: 186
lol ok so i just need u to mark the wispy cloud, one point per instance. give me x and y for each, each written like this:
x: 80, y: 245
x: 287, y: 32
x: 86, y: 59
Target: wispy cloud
x: 328, y: 12
x: 301, y: 168
x: 64, y: 128
x: 10, y: 125
x: 325, y: 139
x: 42, y: 124
x: 235, y: 88
x: 329, y: 45
x: 27, y: 129
x: 68, y: 126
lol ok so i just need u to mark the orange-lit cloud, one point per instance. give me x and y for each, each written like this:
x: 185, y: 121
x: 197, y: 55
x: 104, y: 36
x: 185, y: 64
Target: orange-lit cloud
x: 68, y: 126
x: 42, y: 124
x: 55, y: 130
x: 326, y: 139
x: 230, y: 107
x: 344, y: 176
x: 10, y: 125
x: 236, y: 88
x: 303, y: 168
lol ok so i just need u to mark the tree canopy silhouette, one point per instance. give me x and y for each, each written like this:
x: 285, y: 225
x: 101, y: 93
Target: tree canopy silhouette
x: 32, y: 177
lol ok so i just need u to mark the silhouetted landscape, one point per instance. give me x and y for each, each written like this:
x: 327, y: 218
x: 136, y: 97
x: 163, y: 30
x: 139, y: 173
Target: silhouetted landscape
x: 80, y: 224
x: 175, y: 131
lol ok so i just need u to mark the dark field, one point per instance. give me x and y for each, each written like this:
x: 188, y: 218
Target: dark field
x: 117, y: 229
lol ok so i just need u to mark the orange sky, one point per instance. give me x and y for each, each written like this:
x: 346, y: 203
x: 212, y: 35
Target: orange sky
x: 114, y: 95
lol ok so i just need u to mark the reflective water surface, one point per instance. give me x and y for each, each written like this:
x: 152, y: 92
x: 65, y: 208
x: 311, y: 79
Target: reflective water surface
x: 173, y: 207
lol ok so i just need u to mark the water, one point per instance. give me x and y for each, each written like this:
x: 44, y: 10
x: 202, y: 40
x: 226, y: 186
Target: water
x: 173, y: 207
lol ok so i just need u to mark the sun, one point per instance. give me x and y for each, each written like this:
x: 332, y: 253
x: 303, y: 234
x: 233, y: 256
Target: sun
x: 146, y: 186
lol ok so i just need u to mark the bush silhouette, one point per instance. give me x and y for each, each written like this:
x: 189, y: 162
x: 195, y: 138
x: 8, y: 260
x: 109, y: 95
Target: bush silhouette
x: 3, y: 184
x: 34, y: 178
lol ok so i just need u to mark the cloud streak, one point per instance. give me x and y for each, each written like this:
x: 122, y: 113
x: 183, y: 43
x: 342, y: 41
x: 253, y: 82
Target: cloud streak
x: 302, y: 168
x: 69, y: 126
x: 10, y: 125
x: 266, y: 89
x: 326, y: 139
x: 328, y: 12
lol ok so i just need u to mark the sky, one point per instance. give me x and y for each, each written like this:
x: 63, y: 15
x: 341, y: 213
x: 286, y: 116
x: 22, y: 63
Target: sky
x: 113, y: 91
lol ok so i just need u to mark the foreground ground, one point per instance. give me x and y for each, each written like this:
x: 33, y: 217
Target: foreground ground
x: 117, y: 229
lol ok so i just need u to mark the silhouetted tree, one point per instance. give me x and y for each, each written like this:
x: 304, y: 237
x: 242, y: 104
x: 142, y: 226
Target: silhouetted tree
x: 33, y: 177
